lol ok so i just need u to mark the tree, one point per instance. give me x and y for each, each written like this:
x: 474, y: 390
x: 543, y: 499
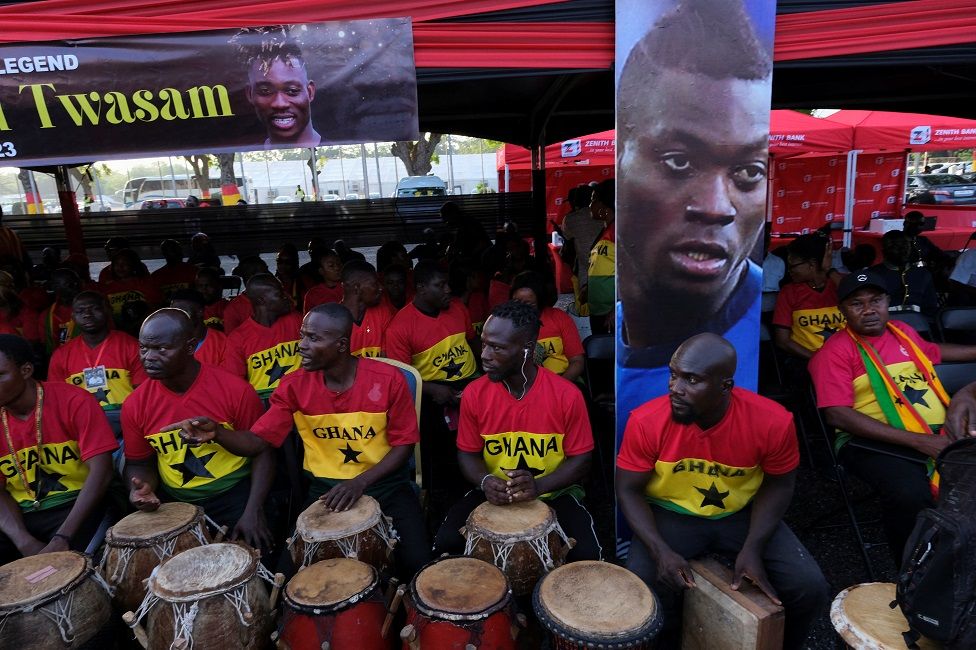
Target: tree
x: 416, y: 156
x: 200, y: 162
x: 226, y: 162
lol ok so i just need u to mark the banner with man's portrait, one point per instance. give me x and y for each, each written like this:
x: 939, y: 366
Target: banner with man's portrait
x: 694, y: 80
x: 281, y: 86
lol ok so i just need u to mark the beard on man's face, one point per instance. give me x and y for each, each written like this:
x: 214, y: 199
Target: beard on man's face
x: 685, y: 415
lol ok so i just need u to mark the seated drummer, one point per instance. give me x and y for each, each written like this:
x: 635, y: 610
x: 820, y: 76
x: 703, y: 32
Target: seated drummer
x: 358, y: 424
x: 710, y: 468
x: 523, y: 434
x: 160, y: 466
x: 54, y: 486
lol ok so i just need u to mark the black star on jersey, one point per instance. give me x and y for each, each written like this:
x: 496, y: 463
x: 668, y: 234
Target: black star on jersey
x: 825, y: 333
x: 916, y: 396
x: 522, y: 464
x: 452, y: 369
x: 350, y: 455
x: 276, y: 372
x: 712, y: 497
x: 194, y: 466
x: 102, y: 395
x: 46, y: 482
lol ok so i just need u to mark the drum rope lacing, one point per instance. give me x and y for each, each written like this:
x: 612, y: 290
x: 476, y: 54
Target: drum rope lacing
x: 501, y: 550
x: 349, y: 546
x: 162, y: 550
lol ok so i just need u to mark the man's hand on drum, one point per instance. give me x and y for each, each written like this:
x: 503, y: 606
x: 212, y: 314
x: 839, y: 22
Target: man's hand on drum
x: 749, y: 564
x: 56, y: 545
x: 344, y: 495
x: 142, y: 496
x: 194, y: 431
x: 31, y: 545
x: 253, y: 529
x: 496, y: 491
x: 674, y: 570
x: 520, y: 485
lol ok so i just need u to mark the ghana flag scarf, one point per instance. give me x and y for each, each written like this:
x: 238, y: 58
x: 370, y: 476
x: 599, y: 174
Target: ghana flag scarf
x: 896, y: 408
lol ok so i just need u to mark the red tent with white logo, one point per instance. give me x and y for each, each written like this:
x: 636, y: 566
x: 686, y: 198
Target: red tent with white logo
x: 883, y: 130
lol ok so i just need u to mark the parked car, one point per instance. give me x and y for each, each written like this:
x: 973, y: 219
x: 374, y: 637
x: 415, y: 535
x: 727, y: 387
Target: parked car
x: 352, y: 196
x: 330, y: 197
x: 282, y: 199
x: 940, y: 189
x: 162, y: 204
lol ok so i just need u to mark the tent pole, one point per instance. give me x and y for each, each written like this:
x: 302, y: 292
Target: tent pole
x: 69, y: 211
x: 539, y: 200
x: 849, y: 196
x: 904, y: 183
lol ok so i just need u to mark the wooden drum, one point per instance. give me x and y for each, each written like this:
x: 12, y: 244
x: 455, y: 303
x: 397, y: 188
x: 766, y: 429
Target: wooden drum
x: 54, y: 600
x: 139, y: 542
x: 523, y: 539
x: 455, y: 602
x: 592, y: 604
x: 206, y: 597
x: 863, y: 619
x: 361, y: 533
x: 334, y: 603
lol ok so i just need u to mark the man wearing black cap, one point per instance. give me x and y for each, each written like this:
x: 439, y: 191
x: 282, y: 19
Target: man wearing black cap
x: 876, y: 384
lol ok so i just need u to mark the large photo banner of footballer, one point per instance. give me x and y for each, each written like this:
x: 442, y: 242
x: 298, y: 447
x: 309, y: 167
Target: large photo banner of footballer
x: 694, y: 79
x: 281, y: 86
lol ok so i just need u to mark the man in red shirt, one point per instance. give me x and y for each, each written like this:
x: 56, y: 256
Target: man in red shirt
x: 211, y: 344
x: 56, y: 324
x: 230, y: 489
x: 103, y: 361
x: 358, y: 425
x: 208, y: 284
x: 175, y: 274
x: 434, y: 335
x: 127, y: 285
x: 710, y: 468
x: 53, y: 484
x: 239, y: 308
x: 330, y: 289
x: 264, y: 348
x: 524, y: 434
x: 362, y: 295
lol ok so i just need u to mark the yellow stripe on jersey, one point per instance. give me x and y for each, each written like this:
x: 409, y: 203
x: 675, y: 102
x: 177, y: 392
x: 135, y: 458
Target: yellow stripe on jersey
x: 702, y: 487
x: 55, y: 479
x: 540, y: 453
x: 450, y: 359
x: 602, y: 257
x: 116, y: 389
x: 368, y: 352
x: 266, y: 368
x: 912, y: 385
x: 342, y: 445
x: 552, y: 354
x: 184, y: 468
x: 811, y: 327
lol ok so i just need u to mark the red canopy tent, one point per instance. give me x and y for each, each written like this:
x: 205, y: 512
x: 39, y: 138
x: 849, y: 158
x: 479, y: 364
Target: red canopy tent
x: 883, y: 130
x: 792, y: 133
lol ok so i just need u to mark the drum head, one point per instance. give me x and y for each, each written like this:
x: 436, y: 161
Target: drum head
x: 32, y: 580
x: 149, y: 526
x: 331, y: 582
x: 202, y: 571
x: 598, y: 601
x: 460, y: 585
x: 524, y: 520
x: 319, y: 524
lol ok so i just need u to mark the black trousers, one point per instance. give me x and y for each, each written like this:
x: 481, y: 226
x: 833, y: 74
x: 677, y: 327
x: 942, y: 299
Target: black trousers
x: 902, y: 484
x: 574, y: 519
x: 42, y: 524
x: 792, y: 571
x: 440, y: 471
x: 225, y: 508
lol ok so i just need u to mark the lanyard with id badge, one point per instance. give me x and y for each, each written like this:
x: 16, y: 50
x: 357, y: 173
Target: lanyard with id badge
x: 95, y: 376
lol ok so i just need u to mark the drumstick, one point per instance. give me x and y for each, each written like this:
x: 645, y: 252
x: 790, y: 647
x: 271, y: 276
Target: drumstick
x: 279, y: 582
x: 130, y: 619
x: 221, y: 533
x: 519, y: 622
x: 394, y: 606
x: 390, y: 591
x: 409, y: 636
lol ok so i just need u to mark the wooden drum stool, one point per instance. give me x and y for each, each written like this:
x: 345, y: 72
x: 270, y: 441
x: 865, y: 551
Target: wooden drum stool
x: 863, y: 619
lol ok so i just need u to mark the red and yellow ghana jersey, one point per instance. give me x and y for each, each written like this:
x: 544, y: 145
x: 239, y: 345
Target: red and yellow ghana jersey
x: 73, y: 430
x: 119, y: 292
x: 118, y: 353
x: 348, y: 433
x: 190, y: 473
x: 840, y: 378
x: 213, y: 348
x: 237, y: 312
x: 601, y: 287
x: 213, y: 315
x: 263, y: 355
x: 173, y: 277
x: 321, y: 294
x: 436, y: 346
x: 810, y: 315
x: 56, y: 325
x: 559, y: 340
x: 712, y: 473
x: 535, y: 433
x: 367, y: 336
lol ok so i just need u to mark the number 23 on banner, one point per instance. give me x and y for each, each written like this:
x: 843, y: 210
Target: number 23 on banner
x: 7, y: 150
